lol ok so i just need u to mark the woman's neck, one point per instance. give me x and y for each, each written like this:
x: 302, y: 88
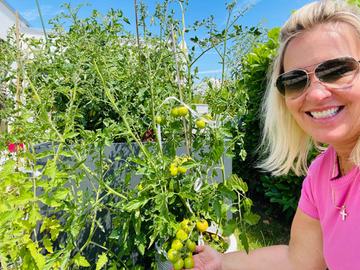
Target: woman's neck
x: 344, y: 165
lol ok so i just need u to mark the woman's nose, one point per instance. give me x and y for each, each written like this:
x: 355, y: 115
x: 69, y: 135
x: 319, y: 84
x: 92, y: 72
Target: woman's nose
x: 317, y: 90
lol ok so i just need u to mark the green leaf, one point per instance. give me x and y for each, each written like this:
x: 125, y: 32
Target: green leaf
x: 137, y: 222
x: 141, y: 248
x: 50, y: 201
x: 60, y: 194
x: 230, y: 227
x: 6, y: 216
x: 135, y: 204
x: 153, y: 237
x: 244, y: 241
x: 81, y: 261
x: 38, y: 258
x: 247, y: 203
x: 70, y: 135
x: 8, y: 168
x: 217, y: 208
x: 48, y: 245
x: 243, y: 154
x: 251, y: 218
x: 126, y: 20
x: 101, y: 262
x: 235, y: 182
x: 34, y: 215
x: 50, y: 169
x: 228, y: 193
x: 51, y: 224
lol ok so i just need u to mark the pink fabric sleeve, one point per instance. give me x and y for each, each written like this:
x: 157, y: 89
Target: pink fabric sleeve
x: 307, y: 201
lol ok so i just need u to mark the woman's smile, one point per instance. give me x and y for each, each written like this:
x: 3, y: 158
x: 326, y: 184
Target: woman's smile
x: 325, y: 113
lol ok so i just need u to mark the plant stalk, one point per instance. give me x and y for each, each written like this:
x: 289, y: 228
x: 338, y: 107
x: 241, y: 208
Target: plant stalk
x: 41, y: 19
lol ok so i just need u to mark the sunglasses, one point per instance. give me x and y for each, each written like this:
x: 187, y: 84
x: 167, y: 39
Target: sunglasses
x: 334, y: 73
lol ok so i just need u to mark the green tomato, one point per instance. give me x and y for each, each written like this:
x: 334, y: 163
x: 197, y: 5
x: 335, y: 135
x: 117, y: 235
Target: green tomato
x: 174, y: 112
x: 182, y: 170
x: 190, y: 245
x: 179, y: 264
x: 200, y: 123
x: 208, y: 116
x: 159, y: 120
x: 182, y: 111
x: 173, y: 255
x: 202, y: 225
x: 185, y: 225
x: 181, y: 235
x: 189, y: 262
x: 174, y: 170
x: 140, y: 187
x: 176, y: 244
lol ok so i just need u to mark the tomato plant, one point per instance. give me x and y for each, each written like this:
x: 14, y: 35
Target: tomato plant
x: 66, y: 203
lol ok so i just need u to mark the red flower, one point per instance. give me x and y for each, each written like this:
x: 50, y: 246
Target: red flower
x: 15, y: 147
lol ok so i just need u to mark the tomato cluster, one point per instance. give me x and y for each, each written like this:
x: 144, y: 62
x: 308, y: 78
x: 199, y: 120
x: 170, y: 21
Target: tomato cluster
x: 183, y: 246
x: 183, y: 111
x: 180, y: 111
x: 176, y: 167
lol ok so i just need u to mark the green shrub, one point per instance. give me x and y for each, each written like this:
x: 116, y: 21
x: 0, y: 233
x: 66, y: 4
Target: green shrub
x: 283, y: 192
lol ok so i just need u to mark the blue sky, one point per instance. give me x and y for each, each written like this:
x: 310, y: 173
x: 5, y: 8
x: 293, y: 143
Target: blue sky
x: 270, y: 13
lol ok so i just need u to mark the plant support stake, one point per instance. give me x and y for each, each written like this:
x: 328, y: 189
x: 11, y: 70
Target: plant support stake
x: 41, y: 19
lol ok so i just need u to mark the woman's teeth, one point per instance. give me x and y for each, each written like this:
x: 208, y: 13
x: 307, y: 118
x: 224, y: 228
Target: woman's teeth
x: 325, y: 114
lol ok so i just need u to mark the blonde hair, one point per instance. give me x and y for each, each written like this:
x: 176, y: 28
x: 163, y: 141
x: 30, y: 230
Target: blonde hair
x: 286, y: 144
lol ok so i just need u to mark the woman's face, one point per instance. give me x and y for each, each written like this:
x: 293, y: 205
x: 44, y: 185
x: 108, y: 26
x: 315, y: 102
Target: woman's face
x: 330, y: 116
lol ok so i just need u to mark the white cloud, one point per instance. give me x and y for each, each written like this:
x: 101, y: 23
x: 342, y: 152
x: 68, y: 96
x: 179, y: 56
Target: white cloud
x: 32, y: 14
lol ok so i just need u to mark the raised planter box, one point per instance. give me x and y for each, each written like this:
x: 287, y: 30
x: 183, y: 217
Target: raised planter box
x: 122, y: 150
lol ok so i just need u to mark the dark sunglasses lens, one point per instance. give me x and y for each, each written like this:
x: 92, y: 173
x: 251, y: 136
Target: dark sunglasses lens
x: 292, y: 83
x: 339, y: 71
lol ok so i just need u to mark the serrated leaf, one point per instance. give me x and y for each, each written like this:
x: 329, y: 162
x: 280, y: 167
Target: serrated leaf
x: 48, y: 245
x: 50, y: 169
x: 7, y: 168
x: 228, y: 193
x: 53, y: 226
x: 247, y: 203
x: 251, y: 218
x: 60, y: 194
x: 235, y: 182
x: 6, y: 216
x: 34, y: 215
x: 38, y: 258
x: 135, y: 204
x: 80, y: 260
x: 101, y: 262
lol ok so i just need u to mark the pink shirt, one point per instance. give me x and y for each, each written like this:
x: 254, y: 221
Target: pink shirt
x: 322, y: 196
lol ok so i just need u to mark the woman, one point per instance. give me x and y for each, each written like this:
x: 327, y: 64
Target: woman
x: 313, y: 98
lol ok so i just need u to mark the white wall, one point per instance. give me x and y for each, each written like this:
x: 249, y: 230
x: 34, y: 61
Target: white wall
x: 8, y: 19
